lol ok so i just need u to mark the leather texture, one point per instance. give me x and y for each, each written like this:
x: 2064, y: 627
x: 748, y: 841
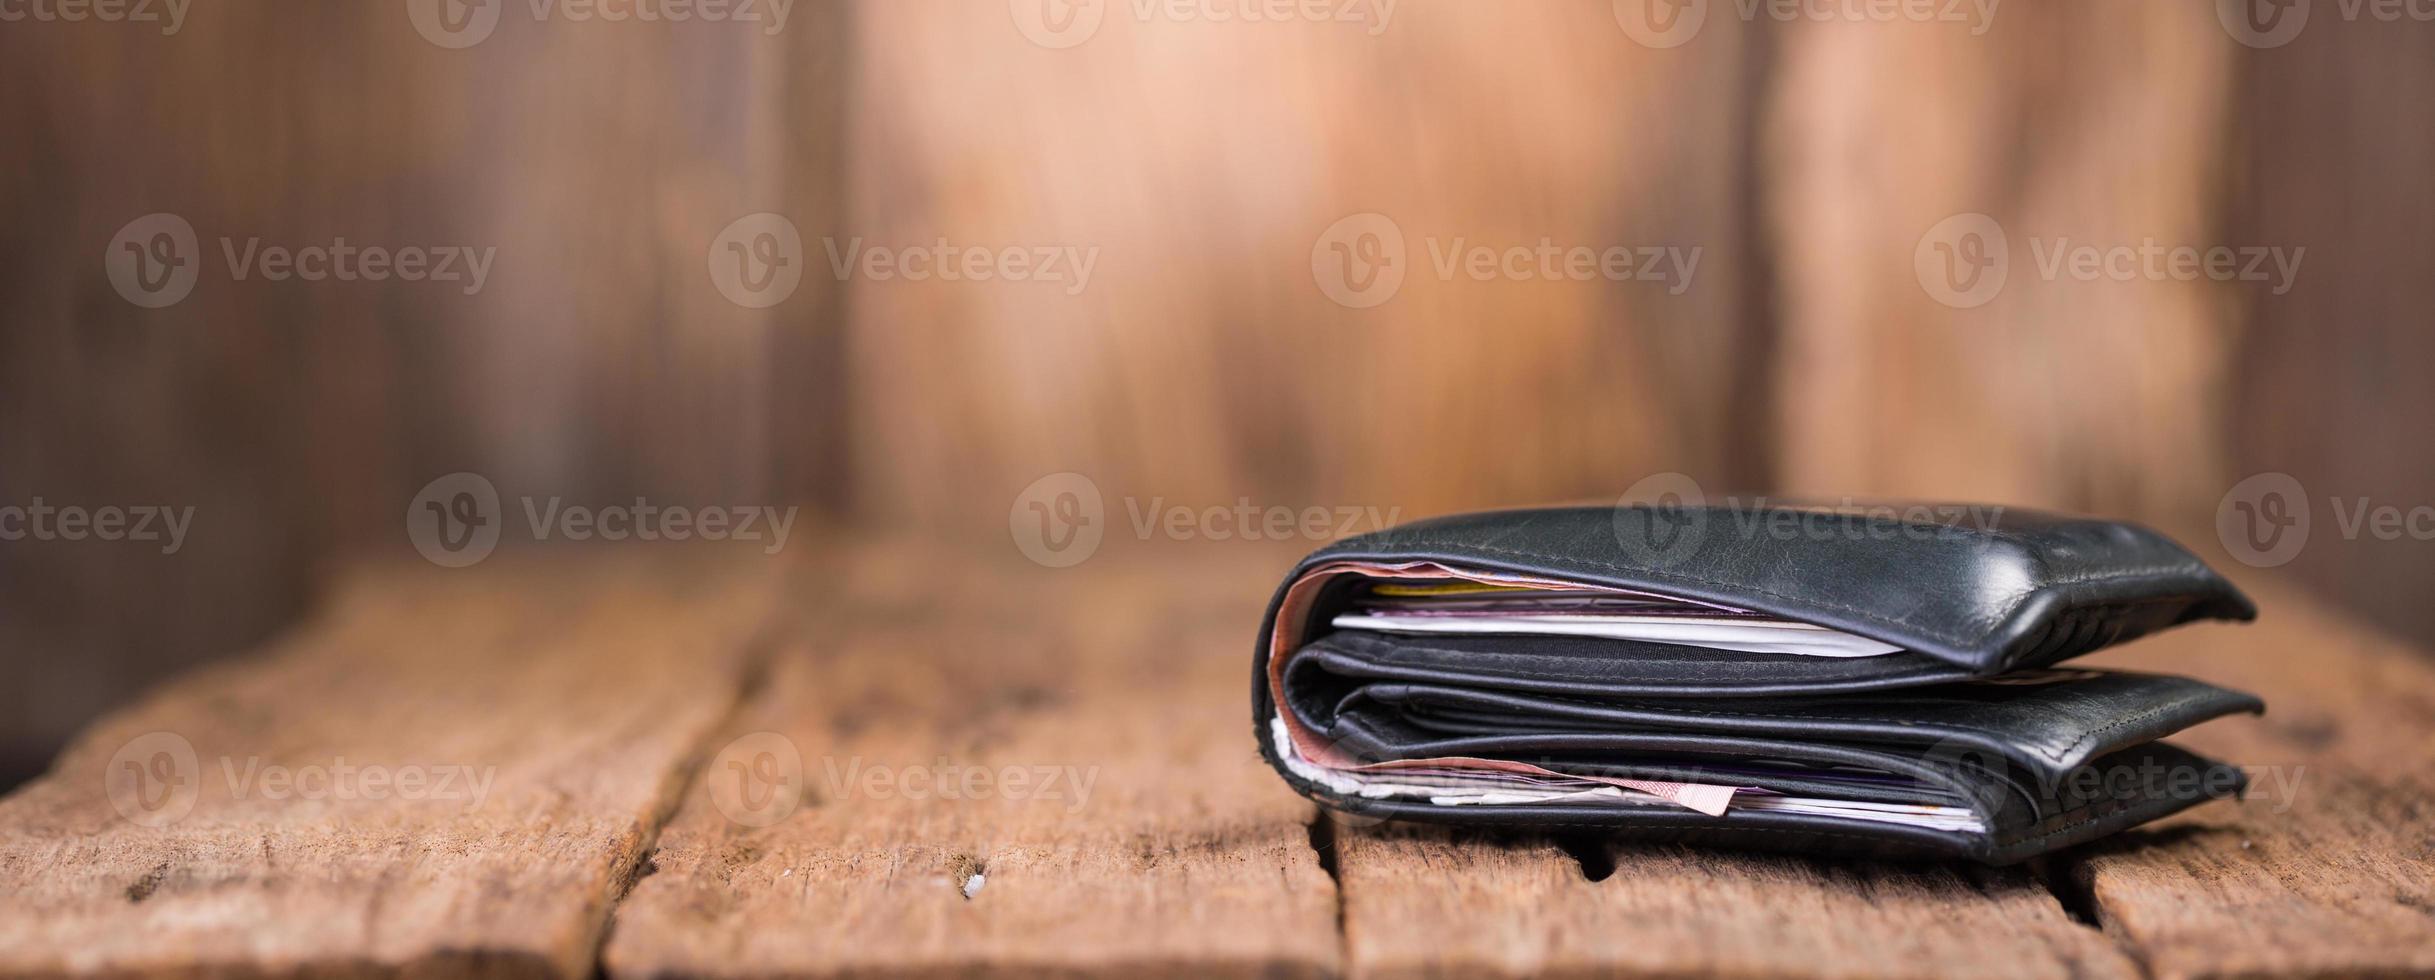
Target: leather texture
x: 2030, y: 588
x: 1969, y: 715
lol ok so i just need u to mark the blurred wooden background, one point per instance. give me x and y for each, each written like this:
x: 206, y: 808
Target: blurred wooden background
x: 1202, y: 363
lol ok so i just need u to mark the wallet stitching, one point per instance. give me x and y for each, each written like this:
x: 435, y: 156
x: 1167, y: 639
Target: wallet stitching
x: 2186, y: 700
x: 2110, y: 575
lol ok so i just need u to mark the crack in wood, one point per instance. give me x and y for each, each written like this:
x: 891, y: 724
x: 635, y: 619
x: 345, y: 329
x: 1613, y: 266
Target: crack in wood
x: 1592, y: 852
x: 752, y: 684
x: 1322, y: 837
x: 2071, y: 882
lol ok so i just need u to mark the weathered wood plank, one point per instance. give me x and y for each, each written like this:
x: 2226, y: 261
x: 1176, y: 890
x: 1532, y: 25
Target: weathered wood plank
x: 591, y: 164
x: 1204, y: 160
x: 450, y: 771
x: 2327, y: 868
x: 1432, y: 902
x: 1918, y: 361
x: 900, y: 673
x: 1160, y: 840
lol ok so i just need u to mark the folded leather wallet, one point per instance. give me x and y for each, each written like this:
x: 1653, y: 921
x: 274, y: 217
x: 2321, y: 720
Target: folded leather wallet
x: 1860, y: 680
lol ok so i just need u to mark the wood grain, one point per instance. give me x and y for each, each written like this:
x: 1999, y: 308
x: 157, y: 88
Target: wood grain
x: 2069, y: 124
x: 2329, y: 370
x: 1434, y: 902
x: 2328, y: 867
x: 615, y: 696
x: 568, y: 697
x: 1166, y: 844
x: 1203, y: 160
x: 597, y: 159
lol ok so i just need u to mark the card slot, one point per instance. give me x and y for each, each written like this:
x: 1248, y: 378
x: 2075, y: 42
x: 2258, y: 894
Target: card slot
x: 2047, y: 728
x: 2022, y: 817
x: 1607, y: 667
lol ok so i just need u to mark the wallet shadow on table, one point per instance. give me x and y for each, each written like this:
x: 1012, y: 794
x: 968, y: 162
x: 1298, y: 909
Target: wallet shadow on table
x: 1863, y: 685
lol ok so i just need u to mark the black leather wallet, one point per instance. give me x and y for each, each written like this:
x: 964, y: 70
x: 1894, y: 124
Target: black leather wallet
x: 1871, y: 680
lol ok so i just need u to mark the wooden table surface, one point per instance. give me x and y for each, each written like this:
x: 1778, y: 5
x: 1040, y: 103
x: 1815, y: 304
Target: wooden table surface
x: 875, y: 756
